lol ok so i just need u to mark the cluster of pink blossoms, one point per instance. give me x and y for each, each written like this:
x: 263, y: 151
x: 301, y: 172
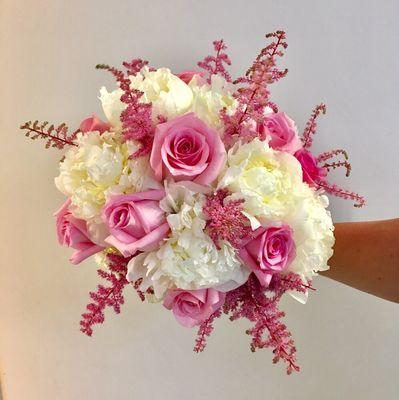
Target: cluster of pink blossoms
x: 199, y: 193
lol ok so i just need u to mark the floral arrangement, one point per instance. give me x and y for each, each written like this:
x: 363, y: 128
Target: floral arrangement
x: 200, y: 194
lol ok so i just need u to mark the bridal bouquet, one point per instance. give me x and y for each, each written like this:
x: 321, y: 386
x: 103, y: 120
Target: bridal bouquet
x: 198, y: 192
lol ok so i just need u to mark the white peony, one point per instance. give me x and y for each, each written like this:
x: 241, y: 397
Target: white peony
x: 167, y: 93
x: 97, y: 168
x: 112, y: 106
x: 265, y: 178
x: 189, y: 259
x: 210, y: 99
x: 270, y: 182
x: 313, y: 233
x: 171, y: 97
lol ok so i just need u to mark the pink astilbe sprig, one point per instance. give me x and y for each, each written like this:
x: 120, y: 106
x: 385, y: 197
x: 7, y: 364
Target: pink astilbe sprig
x: 135, y: 66
x: 329, y: 160
x: 359, y: 201
x: 225, y: 220
x: 311, y: 125
x: 54, y: 136
x: 136, y: 117
x: 106, y: 296
x: 215, y: 65
x: 338, y: 164
x: 260, y: 306
x: 205, y: 330
x: 253, y: 94
x: 327, y: 155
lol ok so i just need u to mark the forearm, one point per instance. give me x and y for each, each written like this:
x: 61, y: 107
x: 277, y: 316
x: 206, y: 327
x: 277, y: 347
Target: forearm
x: 366, y: 257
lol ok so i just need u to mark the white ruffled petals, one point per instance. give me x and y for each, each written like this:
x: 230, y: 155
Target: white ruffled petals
x: 189, y: 259
x: 98, y: 168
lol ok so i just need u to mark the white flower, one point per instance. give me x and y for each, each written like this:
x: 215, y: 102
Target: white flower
x: 313, y: 233
x: 266, y: 179
x: 112, y: 106
x: 171, y: 97
x: 270, y: 182
x: 189, y: 259
x: 101, y: 260
x: 167, y: 93
x: 138, y: 269
x: 97, y: 168
x: 210, y: 99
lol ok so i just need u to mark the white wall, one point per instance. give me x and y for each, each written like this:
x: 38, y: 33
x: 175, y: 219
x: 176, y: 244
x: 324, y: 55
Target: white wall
x: 341, y: 52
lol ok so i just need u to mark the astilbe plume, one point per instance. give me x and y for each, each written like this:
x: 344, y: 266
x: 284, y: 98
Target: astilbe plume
x: 136, y: 117
x: 225, y: 220
x: 215, y: 65
x: 253, y: 93
x: 329, y: 161
x: 260, y: 306
x: 106, y: 296
x: 205, y: 330
x: 54, y: 136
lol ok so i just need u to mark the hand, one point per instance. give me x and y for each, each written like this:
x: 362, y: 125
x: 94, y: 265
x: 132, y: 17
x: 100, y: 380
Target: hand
x: 366, y: 257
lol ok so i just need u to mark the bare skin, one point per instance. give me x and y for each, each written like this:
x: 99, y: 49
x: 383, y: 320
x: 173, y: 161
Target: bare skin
x: 366, y: 257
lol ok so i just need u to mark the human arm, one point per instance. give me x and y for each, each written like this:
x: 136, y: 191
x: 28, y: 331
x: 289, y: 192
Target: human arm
x: 366, y: 257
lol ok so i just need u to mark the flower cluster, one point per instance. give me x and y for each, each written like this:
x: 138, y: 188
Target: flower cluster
x: 199, y: 193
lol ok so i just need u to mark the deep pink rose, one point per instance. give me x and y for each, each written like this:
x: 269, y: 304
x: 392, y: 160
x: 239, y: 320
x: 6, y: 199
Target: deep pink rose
x: 311, y: 172
x: 192, y: 307
x: 135, y: 221
x: 94, y: 123
x: 281, y: 132
x: 72, y: 232
x: 270, y: 251
x: 186, y: 76
x: 187, y: 149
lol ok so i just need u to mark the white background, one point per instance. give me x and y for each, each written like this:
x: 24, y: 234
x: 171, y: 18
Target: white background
x: 341, y: 52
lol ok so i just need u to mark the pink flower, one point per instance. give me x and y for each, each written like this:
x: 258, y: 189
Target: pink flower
x: 186, y: 76
x: 269, y: 252
x: 192, y: 307
x: 94, y: 123
x: 310, y: 170
x: 187, y: 149
x: 282, y: 132
x: 73, y: 232
x: 135, y: 221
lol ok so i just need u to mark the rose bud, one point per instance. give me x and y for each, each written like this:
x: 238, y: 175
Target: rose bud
x: 185, y: 148
x: 193, y: 307
x: 270, y: 251
x: 73, y: 232
x: 311, y: 172
x: 135, y: 221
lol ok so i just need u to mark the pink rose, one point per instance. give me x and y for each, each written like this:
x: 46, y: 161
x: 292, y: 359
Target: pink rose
x: 186, y: 76
x: 94, y: 123
x: 73, y: 232
x: 311, y: 172
x: 282, y: 132
x: 135, y: 221
x: 270, y: 251
x: 192, y: 307
x: 187, y: 149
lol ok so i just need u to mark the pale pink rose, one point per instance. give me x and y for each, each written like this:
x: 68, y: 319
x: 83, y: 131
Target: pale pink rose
x: 93, y: 124
x: 281, y: 132
x: 186, y: 76
x: 135, y: 221
x: 270, y: 251
x: 311, y: 172
x: 192, y: 307
x: 73, y: 232
x: 185, y: 148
